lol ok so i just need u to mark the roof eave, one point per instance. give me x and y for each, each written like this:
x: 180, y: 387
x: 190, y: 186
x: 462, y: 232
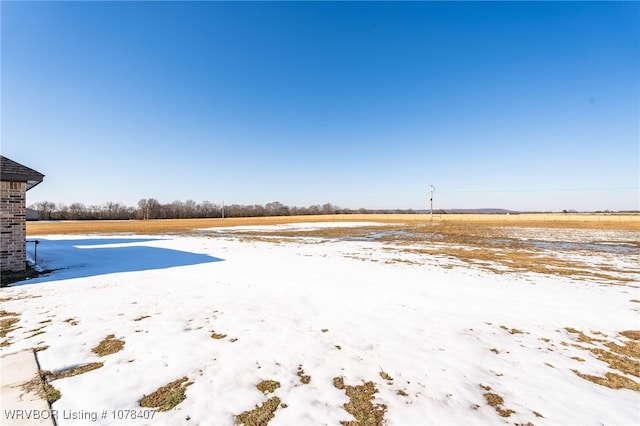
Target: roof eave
x: 32, y: 183
x: 31, y: 179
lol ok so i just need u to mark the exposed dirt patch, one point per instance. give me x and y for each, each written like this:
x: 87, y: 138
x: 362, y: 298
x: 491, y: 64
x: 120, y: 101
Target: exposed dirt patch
x: 167, y: 396
x: 109, y: 345
x: 361, y: 404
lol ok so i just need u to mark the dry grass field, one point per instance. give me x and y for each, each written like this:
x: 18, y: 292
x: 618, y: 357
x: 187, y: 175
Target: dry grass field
x: 555, y: 244
x: 579, y: 221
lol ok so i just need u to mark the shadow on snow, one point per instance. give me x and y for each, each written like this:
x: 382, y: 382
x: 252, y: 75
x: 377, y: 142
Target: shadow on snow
x: 86, y: 257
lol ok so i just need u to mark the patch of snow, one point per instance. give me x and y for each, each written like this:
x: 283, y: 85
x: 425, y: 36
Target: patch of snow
x: 302, y: 226
x: 344, y: 308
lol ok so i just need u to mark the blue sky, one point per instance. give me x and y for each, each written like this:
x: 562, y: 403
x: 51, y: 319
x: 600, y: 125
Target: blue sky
x: 517, y: 105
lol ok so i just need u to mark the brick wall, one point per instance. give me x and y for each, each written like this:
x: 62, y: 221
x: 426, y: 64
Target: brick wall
x: 13, y: 230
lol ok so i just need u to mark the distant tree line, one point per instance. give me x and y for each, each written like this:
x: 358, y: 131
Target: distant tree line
x: 150, y: 208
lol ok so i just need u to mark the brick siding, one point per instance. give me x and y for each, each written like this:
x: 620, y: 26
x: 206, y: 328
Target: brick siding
x: 13, y: 231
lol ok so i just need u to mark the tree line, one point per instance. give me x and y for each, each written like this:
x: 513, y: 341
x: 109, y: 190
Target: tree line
x: 150, y: 208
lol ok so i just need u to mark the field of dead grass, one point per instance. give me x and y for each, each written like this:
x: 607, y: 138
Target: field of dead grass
x: 547, y: 244
x: 582, y: 250
x: 585, y: 221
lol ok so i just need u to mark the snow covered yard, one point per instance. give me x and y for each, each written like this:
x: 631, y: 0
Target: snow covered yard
x: 315, y: 324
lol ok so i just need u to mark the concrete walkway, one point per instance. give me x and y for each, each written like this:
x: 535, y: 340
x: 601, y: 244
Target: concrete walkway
x: 18, y: 406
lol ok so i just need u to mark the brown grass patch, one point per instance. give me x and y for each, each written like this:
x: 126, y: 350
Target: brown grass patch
x: 167, y: 396
x: 36, y: 333
x: 268, y: 386
x: 360, y: 404
x: 41, y: 387
x: 142, y: 317
x: 507, y: 259
x: 261, y: 415
x: 581, y: 336
x: 7, y: 324
x: 496, y: 401
x: 218, y: 336
x: 630, y: 349
x: 109, y: 345
x: 617, y: 362
x: 304, y: 379
x: 624, y: 358
x: 511, y: 331
x: 71, y: 321
x: 611, y: 380
x: 631, y: 334
x: 386, y: 376
x: 74, y: 371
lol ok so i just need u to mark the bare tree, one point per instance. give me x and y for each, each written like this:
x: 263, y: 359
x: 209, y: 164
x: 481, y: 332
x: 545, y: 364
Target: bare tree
x: 45, y: 209
x: 327, y: 208
x: 149, y: 208
x: 76, y: 211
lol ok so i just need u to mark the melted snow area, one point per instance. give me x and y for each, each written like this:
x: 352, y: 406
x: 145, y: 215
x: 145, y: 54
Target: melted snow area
x: 436, y: 336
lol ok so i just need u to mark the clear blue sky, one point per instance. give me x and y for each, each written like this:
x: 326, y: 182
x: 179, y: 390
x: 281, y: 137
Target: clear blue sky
x: 517, y: 105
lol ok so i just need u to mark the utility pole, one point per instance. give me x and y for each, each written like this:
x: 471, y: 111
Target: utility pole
x: 431, y: 191
x: 223, y: 209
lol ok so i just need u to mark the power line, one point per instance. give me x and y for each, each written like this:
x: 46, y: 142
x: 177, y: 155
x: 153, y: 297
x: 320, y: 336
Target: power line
x: 618, y: 188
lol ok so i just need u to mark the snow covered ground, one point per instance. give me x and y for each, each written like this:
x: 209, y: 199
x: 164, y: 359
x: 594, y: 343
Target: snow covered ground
x: 443, y: 342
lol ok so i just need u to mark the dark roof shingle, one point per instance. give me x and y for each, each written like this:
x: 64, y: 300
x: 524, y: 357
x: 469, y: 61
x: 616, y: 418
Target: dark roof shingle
x: 16, y: 172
